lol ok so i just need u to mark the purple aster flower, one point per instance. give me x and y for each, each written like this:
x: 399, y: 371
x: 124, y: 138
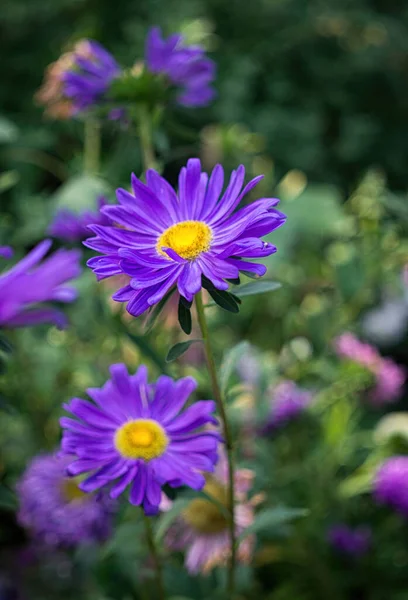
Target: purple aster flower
x: 73, y: 227
x: 55, y: 511
x: 391, y: 484
x: 138, y: 435
x: 6, y: 251
x: 389, y: 376
x: 288, y: 403
x: 170, y: 239
x: 186, y: 67
x: 352, y: 542
x: 202, y: 529
x: 29, y: 284
x: 89, y: 77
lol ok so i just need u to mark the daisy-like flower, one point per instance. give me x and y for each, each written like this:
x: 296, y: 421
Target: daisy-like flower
x: 137, y: 434
x: 389, y: 377
x: 170, y: 239
x: 54, y: 509
x: 186, y: 67
x: 73, y: 227
x: 391, y: 484
x: 288, y: 403
x: 354, y: 542
x: 31, y: 283
x: 202, y: 528
x: 89, y: 76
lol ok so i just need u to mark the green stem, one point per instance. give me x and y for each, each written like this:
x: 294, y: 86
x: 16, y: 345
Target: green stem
x: 227, y: 434
x: 92, y: 145
x: 156, y: 558
x: 146, y: 141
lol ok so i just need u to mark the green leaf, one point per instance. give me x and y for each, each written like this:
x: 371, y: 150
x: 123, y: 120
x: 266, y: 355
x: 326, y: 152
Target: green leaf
x: 167, y: 518
x: 8, y: 131
x: 229, y: 362
x: 273, y: 517
x: 184, y: 316
x: 8, y: 180
x: 224, y: 299
x: 5, y: 345
x: 256, y: 287
x: 80, y: 192
x: 8, y: 500
x: 146, y: 349
x: 156, y: 311
x: 179, y: 349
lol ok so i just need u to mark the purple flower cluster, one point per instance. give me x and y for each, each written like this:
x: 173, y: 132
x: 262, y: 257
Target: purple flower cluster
x: 389, y: 376
x: 89, y: 77
x: 136, y: 433
x: 391, y: 484
x: 352, y: 542
x: 170, y: 239
x: 288, y: 403
x: 30, y: 283
x: 186, y: 67
x: 54, y: 510
x: 73, y: 227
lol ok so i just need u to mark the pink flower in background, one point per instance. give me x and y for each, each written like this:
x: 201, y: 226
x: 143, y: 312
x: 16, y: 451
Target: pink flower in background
x: 202, y: 529
x: 389, y: 377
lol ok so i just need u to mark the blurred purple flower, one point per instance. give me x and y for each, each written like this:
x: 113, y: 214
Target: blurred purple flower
x: 73, y: 227
x: 6, y: 251
x: 389, y: 376
x: 87, y: 81
x: 353, y: 542
x: 55, y: 511
x: 186, y: 67
x: 391, y: 484
x: 29, y: 283
x: 288, y: 403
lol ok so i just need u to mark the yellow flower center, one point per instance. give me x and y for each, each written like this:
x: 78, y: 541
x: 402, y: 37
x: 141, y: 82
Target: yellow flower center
x: 188, y: 238
x: 141, y: 438
x: 203, y: 515
x: 71, y: 491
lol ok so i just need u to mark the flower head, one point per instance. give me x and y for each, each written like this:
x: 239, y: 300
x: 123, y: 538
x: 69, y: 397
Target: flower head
x: 391, y: 484
x: 186, y: 67
x: 89, y: 76
x: 54, y: 509
x: 389, y: 376
x: 30, y: 283
x: 172, y: 239
x: 6, y: 251
x: 73, y: 227
x: 352, y: 542
x: 288, y: 403
x: 202, y: 529
x: 137, y: 434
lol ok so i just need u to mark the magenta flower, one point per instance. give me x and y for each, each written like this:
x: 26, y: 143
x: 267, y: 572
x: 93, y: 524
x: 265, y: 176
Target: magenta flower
x: 185, y: 67
x: 27, y: 285
x: 55, y: 511
x: 170, y: 239
x: 136, y: 433
x: 73, y: 227
x: 202, y: 529
x: 391, y: 484
x: 389, y: 377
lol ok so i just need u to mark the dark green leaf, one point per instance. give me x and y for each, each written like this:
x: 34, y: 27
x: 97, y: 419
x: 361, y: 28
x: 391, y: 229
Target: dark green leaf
x: 5, y: 345
x: 224, y: 299
x: 184, y: 316
x: 156, y: 311
x: 256, y: 287
x: 273, y: 517
x: 179, y: 349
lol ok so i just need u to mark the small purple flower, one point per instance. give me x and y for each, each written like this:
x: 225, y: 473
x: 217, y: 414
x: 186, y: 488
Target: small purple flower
x: 391, y: 484
x: 137, y: 434
x: 170, y: 239
x: 6, y: 251
x: 88, y: 80
x: 389, y: 376
x: 186, y: 67
x: 352, y: 542
x: 288, y: 403
x: 73, y: 227
x: 29, y: 284
x: 55, y: 511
